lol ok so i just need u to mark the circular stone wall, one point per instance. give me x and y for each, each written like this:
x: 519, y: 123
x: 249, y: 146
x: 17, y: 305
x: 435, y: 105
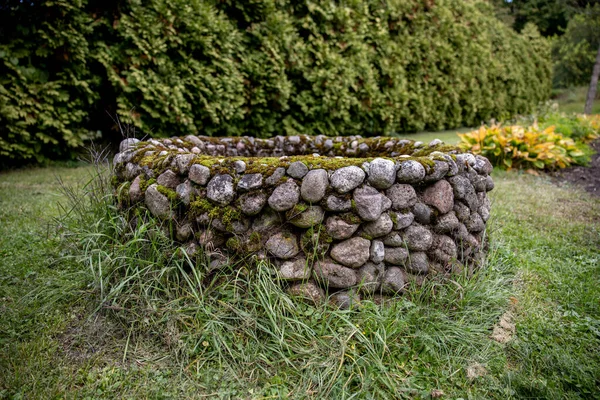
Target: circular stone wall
x: 339, y: 216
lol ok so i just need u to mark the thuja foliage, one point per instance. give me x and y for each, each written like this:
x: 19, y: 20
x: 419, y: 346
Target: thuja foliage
x: 258, y: 68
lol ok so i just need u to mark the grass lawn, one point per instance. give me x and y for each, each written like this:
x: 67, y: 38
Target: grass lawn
x: 539, y: 290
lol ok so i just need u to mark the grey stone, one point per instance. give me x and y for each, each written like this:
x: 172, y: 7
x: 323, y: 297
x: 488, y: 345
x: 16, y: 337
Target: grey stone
x: 489, y: 183
x: 283, y: 245
x: 439, y: 195
x: 461, y: 186
x: 285, y: 196
x: 382, y: 173
x: 446, y: 223
x: 393, y: 281
x: 210, y: 239
x: 135, y: 191
x: 346, y: 179
x: 345, y: 300
x: 266, y: 220
x: 252, y: 203
x: 479, y: 183
x: 393, y: 240
x: 410, y: 171
x: 168, y: 179
x: 129, y: 143
x: 484, y: 208
x: 339, y: 229
x: 158, y: 203
x: 465, y: 160
x: 369, y: 203
x: 380, y: 227
x: 377, y: 251
x: 462, y: 211
x: 352, y: 252
x: 334, y: 275
x: 314, y: 185
x: 295, y: 270
x: 395, y: 255
x: 443, y: 248
x: 417, y: 238
x: 183, y: 162
x: 184, y: 191
x: 437, y: 172
x: 418, y: 263
x: 475, y: 223
x: 184, y: 231
x: 482, y: 165
x: 308, y: 291
x: 132, y: 170
x: 312, y: 216
x: 220, y: 189
x: 239, y: 166
x: 297, y: 170
x: 250, y: 181
x: 466, y: 242
x: 337, y: 204
x: 191, y: 249
x: 435, y: 142
x: 402, y: 196
x: 275, y: 177
x: 369, y: 277
x: 422, y: 213
x: 402, y: 220
x: 199, y: 174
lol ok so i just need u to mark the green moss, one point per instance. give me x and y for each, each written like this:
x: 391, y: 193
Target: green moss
x: 233, y: 243
x: 394, y: 217
x: 350, y: 218
x: 170, y: 193
x: 296, y: 211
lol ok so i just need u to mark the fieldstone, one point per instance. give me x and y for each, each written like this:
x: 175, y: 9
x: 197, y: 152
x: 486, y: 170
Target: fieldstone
x: 334, y: 275
x: 211, y: 239
x: 484, y: 208
x: 418, y: 263
x: 352, y: 252
x: 377, y: 251
x: 382, y: 173
x: 467, y: 243
x: 479, y: 183
x: 283, y: 245
x: 285, y: 196
x: 135, y: 191
x: 295, y: 270
x: 252, y: 203
x: 345, y: 299
x: 435, y: 142
x: 369, y: 277
x: 380, y: 227
x: 308, y: 291
x: 369, y: 203
x: 346, y: 179
x: 417, y: 238
x: 462, y: 211
x: 183, y: 162
x: 393, y: 240
x: 475, y: 223
x: 439, y: 195
x: 446, y: 223
x: 297, y: 170
x: 337, y: 204
x: 184, y: 192
x: 314, y: 185
x: 422, y: 213
x: 129, y: 143
x: 402, y: 220
x: 239, y: 166
x: 276, y: 176
x: 461, y: 186
x: 312, y: 216
x: 184, y: 231
x: 250, y: 181
x: 410, y: 171
x: 158, y: 203
x: 465, y: 160
x: 395, y: 255
x: 402, y: 196
x: 220, y: 189
x: 443, y: 248
x: 199, y: 174
x: 266, y: 220
x: 168, y: 179
x: 437, y: 172
x: 482, y: 165
x: 191, y: 249
x: 393, y: 281
x: 132, y: 170
x: 339, y: 229
x: 489, y: 183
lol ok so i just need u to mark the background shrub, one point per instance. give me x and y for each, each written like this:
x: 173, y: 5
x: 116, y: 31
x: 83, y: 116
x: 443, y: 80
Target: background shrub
x: 258, y: 68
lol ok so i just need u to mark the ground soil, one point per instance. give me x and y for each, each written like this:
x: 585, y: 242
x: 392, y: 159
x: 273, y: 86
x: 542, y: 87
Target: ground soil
x: 586, y: 177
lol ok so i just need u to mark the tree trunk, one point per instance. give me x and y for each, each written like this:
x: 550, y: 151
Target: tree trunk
x: 593, y: 85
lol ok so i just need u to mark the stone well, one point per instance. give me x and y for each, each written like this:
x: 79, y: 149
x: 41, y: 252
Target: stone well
x: 342, y: 216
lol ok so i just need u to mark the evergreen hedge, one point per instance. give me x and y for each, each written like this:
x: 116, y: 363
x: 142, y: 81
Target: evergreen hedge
x: 177, y: 67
